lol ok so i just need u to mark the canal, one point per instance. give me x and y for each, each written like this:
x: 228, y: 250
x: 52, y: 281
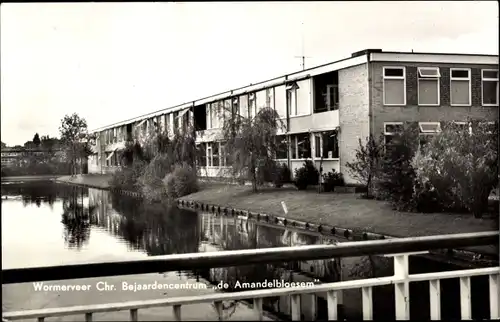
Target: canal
x: 45, y: 223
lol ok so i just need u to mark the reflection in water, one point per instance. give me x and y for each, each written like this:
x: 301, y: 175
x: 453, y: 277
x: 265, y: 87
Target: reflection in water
x: 34, y: 193
x: 161, y: 230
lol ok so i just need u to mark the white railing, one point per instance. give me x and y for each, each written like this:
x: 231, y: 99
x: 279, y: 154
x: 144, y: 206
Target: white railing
x: 401, y: 280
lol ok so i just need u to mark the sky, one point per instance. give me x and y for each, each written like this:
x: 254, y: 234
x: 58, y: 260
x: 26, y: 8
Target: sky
x: 109, y: 62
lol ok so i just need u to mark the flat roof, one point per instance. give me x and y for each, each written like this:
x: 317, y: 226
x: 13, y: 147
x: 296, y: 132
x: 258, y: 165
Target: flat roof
x: 356, y: 58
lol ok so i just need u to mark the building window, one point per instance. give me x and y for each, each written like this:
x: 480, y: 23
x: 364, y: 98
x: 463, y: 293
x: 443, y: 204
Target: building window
x: 392, y: 129
x: 224, y: 156
x: 394, y: 86
x: 301, y: 146
x: 252, y: 105
x: 209, y: 115
x: 167, y: 123
x: 326, y: 145
x: 177, y: 122
x: 462, y: 126
x: 489, y: 87
x: 428, y: 86
x: 291, y: 99
x: 236, y: 107
x: 209, y: 155
x: 215, y: 154
x: 427, y: 131
x: 281, y: 147
x: 460, y: 87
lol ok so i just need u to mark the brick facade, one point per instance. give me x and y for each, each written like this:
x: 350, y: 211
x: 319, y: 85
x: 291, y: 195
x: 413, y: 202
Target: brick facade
x: 414, y: 113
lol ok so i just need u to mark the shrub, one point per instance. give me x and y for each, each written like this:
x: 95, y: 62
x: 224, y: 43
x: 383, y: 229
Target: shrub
x: 126, y: 178
x: 182, y: 181
x: 283, y: 175
x: 151, y: 180
x: 306, y: 175
x: 461, y: 166
x: 396, y: 178
x: 301, y: 178
x: 332, y: 179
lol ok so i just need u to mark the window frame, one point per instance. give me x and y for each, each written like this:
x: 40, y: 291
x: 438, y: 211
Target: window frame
x: 487, y: 79
x: 291, y: 89
x: 464, y: 123
x: 458, y: 79
x: 252, y: 100
x: 386, y: 133
x: 427, y: 78
x: 425, y: 132
x: 384, y: 78
x: 320, y: 135
x: 209, y: 156
x: 295, y: 145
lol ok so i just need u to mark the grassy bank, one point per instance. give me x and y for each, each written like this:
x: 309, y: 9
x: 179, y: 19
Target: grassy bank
x: 30, y: 178
x: 341, y: 210
x: 100, y: 181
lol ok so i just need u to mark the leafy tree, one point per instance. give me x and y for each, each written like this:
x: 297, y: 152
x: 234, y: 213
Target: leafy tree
x: 49, y: 143
x: 36, y: 140
x: 75, y: 139
x: 461, y: 166
x: 366, y: 165
x: 250, y: 142
x: 4, y: 145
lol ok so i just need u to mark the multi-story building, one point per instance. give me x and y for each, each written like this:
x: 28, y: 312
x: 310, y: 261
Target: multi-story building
x: 329, y: 107
x: 18, y: 155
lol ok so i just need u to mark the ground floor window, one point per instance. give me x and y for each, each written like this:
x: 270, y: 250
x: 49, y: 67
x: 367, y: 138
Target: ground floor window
x: 300, y: 146
x: 427, y: 132
x: 391, y: 129
x: 281, y: 147
x: 326, y: 145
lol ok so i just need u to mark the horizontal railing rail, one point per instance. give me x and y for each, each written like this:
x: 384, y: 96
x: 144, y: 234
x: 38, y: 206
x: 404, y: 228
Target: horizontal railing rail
x: 160, y: 264
x: 399, y: 249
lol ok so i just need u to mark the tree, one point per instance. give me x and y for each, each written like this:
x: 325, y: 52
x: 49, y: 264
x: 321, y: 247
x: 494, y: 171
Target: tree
x: 4, y: 145
x: 364, y: 168
x: 251, y: 142
x: 75, y: 139
x: 36, y: 140
x: 461, y: 166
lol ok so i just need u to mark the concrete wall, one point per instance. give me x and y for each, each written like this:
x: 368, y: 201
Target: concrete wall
x: 353, y: 113
x: 412, y: 112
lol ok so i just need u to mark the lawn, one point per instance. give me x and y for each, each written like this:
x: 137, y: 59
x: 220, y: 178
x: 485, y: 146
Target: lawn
x: 346, y: 210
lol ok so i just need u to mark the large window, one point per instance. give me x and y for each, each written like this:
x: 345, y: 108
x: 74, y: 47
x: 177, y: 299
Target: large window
x: 291, y: 98
x: 281, y: 147
x: 428, y: 86
x: 460, y: 87
x: 394, y: 86
x: 489, y: 87
x: 427, y: 131
x: 391, y: 129
x: 326, y: 145
x: 301, y: 146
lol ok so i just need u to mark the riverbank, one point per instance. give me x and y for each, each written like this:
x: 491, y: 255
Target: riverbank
x: 30, y: 178
x: 345, y: 210
x: 100, y: 181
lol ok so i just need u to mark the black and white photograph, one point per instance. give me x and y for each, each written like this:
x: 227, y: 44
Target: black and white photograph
x: 261, y: 160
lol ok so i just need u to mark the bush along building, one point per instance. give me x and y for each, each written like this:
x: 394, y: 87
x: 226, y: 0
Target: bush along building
x: 328, y: 108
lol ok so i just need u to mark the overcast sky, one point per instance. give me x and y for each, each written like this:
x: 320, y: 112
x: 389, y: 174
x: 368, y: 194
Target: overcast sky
x: 110, y: 62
